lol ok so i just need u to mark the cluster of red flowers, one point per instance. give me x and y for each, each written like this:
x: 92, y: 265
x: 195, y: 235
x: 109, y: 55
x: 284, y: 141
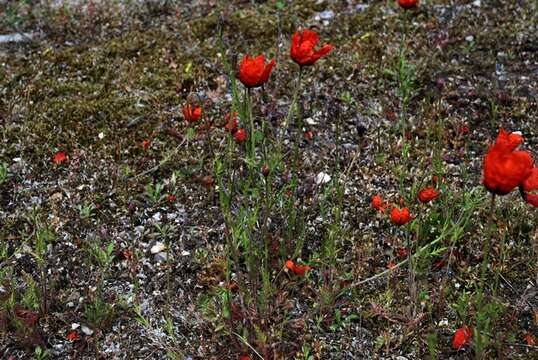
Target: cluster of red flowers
x: 254, y: 71
x: 401, y: 216
x: 505, y: 168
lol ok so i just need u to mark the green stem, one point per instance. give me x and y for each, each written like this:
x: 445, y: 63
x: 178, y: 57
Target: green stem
x: 251, y: 119
x: 487, y: 244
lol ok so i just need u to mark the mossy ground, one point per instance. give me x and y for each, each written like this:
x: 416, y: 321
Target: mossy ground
x: 96, y: 81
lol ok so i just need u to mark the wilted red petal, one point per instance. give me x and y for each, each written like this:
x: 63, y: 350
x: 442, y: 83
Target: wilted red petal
x: 73, y: 336
x: 59, y: 157
x: 145, y: 144
x: 529, y: 339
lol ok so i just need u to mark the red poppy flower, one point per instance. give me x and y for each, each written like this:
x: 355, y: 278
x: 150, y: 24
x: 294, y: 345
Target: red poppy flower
x: 408, y: 4
x: 145, y: 144
x: 504, y: 168
x: 529, y: 188
x: 192, y: 114
x: 308, y: 135
x: 253, y: 72
x: 240, y: 135
x: 377, y: 203
x: 73, y: 336
x: 59, y: 157
x: 297, y: 269
x: 462, y: 337
x: 400, y: 217
x: 427, y: 194
x: 302, y: 48
x: 171, y: 198
x: 233, y: 124
x: 244, y: 357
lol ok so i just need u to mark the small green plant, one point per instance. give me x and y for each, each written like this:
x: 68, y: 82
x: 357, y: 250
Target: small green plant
x: 306, y: 353
x: 432, y: 344
x: 154, y: 192
x: 41, y: 353
x: 142, y: 320
x: 4, y: 173
x: 86, y: 210
x: 102, y: 256
x: 98, y: 312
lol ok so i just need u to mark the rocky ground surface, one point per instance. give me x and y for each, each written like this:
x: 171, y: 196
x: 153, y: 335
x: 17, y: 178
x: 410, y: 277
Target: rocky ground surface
x: 94, y: 79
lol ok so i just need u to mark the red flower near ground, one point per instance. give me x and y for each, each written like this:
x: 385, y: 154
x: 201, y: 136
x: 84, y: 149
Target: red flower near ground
x: 297, y: 269
x: 504, y: 168
x: 240, y: 135
x: 244, y: 357
x: 233, y: 124
x: 400, y: 216
x: 462, y: 337
x: 73, y: 336
x: 302, y: 48
x: 377, y: 203
x: 171, y: 198
x: 126, y: 254
x: 308, y: 135
x: 59, y: 157
x: 254, y: 72
x: 145, y: 144
x: 529, y: 339
x: 427, y: 194
x: 192, y: 114
x: 402, y: 252
x: 529, y: 188
x: 463, y: 129
x: 408, y: 4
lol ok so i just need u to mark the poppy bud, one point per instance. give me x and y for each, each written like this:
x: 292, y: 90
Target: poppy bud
x: 231, y: 122
x: 192, y: 114
x: 377, y: 203
x: 240, y: 135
